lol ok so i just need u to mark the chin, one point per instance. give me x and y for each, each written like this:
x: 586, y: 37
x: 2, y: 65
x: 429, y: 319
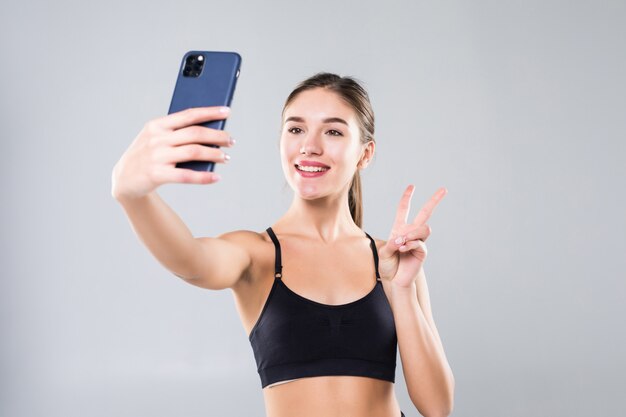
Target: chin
x: 308, y: 192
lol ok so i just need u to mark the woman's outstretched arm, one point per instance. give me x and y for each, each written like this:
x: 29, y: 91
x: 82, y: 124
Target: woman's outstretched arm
x: 213, y: 263
x: 149, y: 162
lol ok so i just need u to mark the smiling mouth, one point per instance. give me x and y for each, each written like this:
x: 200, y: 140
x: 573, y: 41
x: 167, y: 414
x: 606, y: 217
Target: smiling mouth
x: 310, y: 168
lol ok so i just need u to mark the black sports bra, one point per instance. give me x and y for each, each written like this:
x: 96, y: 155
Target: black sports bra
x: 295, y: 337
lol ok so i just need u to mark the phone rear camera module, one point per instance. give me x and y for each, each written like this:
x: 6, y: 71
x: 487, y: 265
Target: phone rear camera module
x: 193, y: 65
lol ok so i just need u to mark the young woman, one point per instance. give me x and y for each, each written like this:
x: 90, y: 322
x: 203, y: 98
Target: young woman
x: 325, y: 305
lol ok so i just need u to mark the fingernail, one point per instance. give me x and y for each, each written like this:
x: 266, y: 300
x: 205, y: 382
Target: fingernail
x: 231, y: 141
x: 217, y: 177
x: 399, y: 240
x: 226, y: 157
x: 224, y: 109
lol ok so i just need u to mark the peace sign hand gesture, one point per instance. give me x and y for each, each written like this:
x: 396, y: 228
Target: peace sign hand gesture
x: 403, y: 254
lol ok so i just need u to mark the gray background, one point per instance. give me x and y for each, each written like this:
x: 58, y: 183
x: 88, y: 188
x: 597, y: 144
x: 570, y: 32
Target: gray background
x: 517, y: 107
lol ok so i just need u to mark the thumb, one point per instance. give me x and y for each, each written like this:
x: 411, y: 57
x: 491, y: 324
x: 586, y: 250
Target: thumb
x: 389, y: 249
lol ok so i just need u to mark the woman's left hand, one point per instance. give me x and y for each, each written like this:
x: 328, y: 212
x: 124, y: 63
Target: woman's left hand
x: 404, y: 253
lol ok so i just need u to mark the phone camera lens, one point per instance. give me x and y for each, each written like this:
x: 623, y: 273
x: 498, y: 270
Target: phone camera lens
x: 193, y: 65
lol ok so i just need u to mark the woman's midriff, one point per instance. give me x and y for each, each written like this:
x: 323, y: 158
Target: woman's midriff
x: 332, y: 396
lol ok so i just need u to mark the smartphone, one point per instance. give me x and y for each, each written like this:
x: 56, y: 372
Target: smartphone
x: 205, y: 78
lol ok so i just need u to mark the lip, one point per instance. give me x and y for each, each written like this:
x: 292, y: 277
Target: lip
x: 306, y: 163
x: 310, y: 174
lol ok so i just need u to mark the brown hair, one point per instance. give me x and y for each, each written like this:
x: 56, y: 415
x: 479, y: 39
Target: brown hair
x: 355, y: 95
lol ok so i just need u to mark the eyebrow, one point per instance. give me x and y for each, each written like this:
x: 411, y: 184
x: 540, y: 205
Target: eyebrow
x: 327, y: 120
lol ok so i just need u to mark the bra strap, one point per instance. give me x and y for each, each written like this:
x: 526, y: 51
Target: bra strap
x: 375, y: 252
x: 278, y: 266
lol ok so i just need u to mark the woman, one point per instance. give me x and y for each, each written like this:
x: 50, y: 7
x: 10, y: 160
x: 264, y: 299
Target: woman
x: 324, y: 341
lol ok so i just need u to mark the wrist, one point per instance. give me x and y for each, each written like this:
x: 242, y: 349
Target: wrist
x: 402, y: 288
x: 129, y: 200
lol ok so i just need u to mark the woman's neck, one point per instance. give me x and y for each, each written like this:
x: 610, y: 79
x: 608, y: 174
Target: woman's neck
x: 325, y: 218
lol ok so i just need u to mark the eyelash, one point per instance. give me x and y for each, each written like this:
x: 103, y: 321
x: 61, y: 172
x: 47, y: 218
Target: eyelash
x: 291, y: 130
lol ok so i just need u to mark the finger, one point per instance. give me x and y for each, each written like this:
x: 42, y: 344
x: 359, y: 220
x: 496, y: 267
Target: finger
x: 187, y: 176
x: 422, y: 232
x: 404, y: 207
x: 426, y: 211
x: 387, y: 250
x: 192, y: 116
x: 415, y: 244
x: 200, y: 134
x: 196, y: 152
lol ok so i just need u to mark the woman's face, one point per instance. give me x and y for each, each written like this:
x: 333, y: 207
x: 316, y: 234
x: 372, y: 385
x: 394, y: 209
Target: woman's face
x: 320, y: 145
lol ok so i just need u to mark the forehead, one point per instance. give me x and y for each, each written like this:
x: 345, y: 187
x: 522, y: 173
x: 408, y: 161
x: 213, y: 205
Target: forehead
x: 319, y: 103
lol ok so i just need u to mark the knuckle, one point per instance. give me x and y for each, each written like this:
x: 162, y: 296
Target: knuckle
x: 154, y: 141
x: 185, y: 175
x: 188, y: 116
x: 155, y: 177
x: 191, y: 133
x: 216, y: 152
x: 197, y: 131
x: 150, y: 126
x: 194, y: 151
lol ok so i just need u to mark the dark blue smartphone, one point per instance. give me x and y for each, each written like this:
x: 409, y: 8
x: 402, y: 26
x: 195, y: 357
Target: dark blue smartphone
x: 205, y: 78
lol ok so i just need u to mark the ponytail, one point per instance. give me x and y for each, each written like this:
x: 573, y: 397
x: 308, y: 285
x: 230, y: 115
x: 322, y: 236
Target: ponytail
x: 355, y: 200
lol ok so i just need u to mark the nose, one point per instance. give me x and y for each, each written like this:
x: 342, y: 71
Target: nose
x: 311, y: 145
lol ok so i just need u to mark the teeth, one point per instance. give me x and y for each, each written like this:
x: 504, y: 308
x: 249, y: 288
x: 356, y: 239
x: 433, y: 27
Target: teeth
x: 311, y: 169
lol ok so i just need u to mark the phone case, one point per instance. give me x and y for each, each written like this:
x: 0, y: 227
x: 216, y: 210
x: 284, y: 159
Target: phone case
x: 214, y: 86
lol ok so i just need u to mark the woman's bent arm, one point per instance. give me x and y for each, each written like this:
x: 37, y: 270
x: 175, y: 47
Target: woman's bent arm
x: 211, y: 263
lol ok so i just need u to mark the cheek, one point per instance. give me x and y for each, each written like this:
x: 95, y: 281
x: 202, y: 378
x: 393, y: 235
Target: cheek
x: 347, y: 155
x: 286, y: 149
x: 288, y: 152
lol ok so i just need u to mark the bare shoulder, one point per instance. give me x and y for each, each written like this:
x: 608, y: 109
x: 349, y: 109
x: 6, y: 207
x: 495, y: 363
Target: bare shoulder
x: 252, y: 242
x: 243, y: 237
x: 379, y: 242
x: 259, y: 249
x: 227, y: 260
x: 247, y: 240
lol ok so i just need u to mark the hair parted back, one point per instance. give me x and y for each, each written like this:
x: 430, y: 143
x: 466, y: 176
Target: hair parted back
x: 356, y: 96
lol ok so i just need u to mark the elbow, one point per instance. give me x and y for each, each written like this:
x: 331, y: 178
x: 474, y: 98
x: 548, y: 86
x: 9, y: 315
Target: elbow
x: 439, y: 412
x: 448, y: 410
x: 448, y: 405
x: 442, y: 407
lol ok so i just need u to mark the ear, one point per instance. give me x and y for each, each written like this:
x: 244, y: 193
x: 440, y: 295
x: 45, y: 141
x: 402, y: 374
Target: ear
x: 367, y: 155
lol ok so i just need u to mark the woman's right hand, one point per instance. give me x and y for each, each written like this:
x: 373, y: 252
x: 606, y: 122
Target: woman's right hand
x: 151, y: 158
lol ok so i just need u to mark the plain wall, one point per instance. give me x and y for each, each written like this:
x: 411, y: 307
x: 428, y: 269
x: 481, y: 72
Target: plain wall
x: 517, y: 107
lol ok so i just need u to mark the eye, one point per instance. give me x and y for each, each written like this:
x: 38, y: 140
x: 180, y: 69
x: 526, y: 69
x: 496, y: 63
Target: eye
x: 294, y: 130
x: 334, y: 132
